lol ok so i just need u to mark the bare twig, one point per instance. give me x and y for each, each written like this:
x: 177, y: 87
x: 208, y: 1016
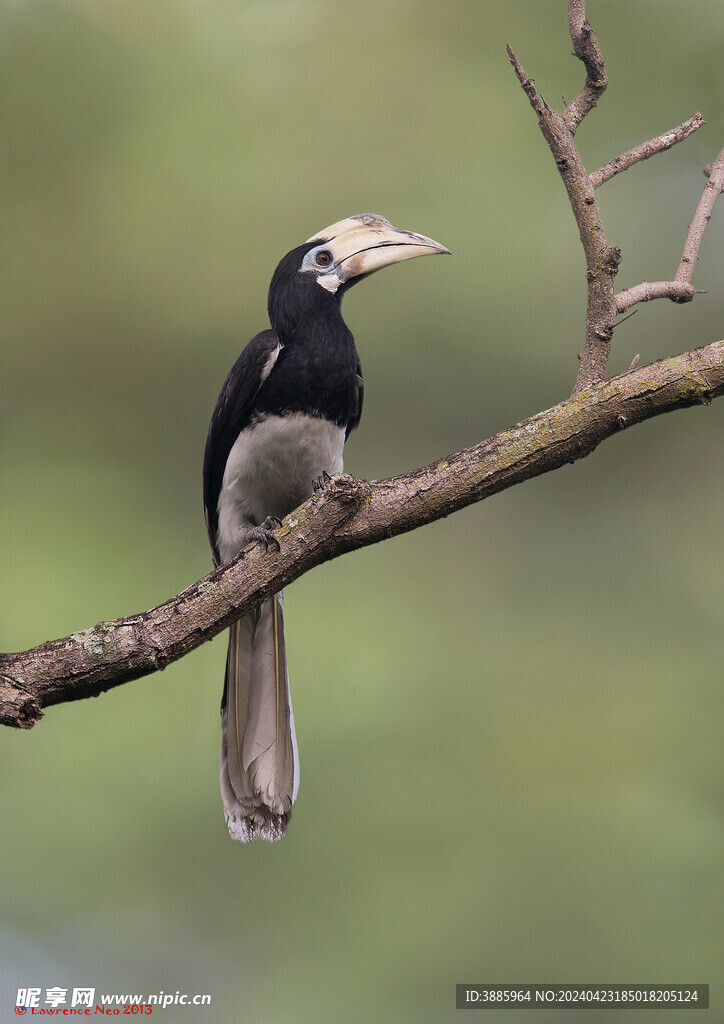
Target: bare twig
x: 586, y: 48
x: 647, y: 149
x: 602, y: 260
x: 677, y: 291
x: 349, y: 514
x: 681, y: 289
x: 712, y: 190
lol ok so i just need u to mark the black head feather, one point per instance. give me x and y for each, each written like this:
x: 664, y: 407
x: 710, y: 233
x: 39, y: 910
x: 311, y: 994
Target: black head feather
x: 292, y: 295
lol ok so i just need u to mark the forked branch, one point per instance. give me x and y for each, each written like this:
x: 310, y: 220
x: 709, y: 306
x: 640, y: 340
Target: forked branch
x: 602, y: 260
x: 681, y: 288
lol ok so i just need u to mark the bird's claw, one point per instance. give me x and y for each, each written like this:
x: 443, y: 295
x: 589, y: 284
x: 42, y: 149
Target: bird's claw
x: 321, y: 482
x: 263, y: 533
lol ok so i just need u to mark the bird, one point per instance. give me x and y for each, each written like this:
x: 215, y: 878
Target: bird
x: 276, y: 435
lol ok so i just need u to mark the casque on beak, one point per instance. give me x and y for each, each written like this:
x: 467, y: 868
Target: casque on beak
x: 360, y: 245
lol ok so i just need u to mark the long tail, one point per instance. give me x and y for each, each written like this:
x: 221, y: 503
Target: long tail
x: 258, y: 763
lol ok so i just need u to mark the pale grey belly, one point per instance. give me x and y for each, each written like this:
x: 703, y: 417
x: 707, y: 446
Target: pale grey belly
x: 271, y: 469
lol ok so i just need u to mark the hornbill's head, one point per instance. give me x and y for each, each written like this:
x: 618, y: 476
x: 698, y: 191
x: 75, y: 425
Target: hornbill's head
x: 319, y: 272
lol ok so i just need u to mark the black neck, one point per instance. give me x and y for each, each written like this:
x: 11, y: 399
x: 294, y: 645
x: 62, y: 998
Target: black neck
x: 316, y: 369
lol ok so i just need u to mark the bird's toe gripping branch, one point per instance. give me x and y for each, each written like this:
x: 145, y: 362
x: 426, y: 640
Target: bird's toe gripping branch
x: 263, y: 533
x: 321, y: 482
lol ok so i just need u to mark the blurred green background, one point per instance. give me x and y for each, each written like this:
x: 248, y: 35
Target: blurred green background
x: 510, y: 721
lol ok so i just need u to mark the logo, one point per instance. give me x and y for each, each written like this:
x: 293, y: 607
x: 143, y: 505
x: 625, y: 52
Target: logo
x: 21, y: 1009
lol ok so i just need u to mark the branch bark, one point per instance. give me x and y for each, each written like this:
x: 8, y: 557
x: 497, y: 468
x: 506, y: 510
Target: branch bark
x: 349, y: 514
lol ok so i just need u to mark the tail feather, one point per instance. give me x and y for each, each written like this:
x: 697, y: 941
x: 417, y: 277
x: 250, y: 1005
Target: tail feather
x: 258, y: 763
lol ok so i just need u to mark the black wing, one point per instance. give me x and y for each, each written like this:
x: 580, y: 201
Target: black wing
x: 232, y: 413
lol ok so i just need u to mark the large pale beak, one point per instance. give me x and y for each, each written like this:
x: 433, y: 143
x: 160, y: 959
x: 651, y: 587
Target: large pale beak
x: 362, y: 244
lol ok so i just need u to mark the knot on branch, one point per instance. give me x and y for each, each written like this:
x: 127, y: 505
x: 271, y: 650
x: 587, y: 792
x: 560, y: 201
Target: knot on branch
x: 348, y: 490
x: 700, y: 391
x: 160, y: 660
x: 611, y: 261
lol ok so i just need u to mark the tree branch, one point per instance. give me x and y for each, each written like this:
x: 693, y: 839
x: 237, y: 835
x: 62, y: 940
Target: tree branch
x: 647, y: 149
x: 681, y: 289
x: 712, y: 190
x: 352, y: 513
x: 602, y: 260
x: 349, y: 514
x: 677, y: 291
x: 586, y: 48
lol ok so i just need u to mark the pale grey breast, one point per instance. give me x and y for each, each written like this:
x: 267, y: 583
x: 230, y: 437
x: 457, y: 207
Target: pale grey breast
x: 271, y: 469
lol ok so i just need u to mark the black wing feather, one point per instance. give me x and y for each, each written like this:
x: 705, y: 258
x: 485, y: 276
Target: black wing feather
x: 359, y: 392
x: 232, y: 413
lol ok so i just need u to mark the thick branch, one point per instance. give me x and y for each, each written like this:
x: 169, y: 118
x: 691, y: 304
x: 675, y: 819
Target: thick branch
x: 647, y: 149
x: 349, y: 514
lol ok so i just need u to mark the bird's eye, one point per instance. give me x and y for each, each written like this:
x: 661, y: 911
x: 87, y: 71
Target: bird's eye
x: 323, y: 258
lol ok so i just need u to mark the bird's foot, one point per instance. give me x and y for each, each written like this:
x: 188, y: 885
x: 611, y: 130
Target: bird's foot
x: 263, y: 533
x: 321, y: 482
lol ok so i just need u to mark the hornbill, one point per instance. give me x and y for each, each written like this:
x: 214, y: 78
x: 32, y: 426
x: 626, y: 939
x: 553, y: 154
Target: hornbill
x: 284, y: 413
